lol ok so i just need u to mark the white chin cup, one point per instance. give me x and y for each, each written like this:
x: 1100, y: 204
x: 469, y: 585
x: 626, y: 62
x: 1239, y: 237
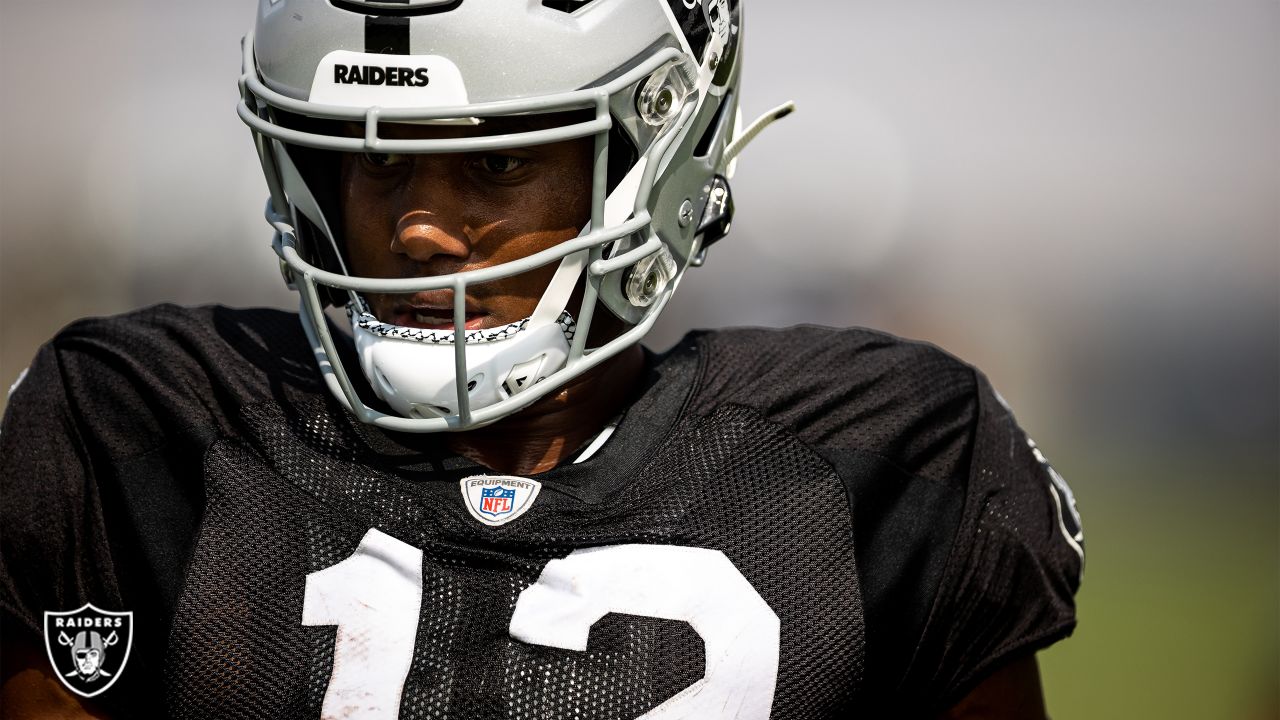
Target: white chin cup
x: 417, y: 379
x: 412, y: 370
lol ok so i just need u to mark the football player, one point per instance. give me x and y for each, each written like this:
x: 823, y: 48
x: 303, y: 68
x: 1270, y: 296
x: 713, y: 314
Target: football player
x: 455, y: 485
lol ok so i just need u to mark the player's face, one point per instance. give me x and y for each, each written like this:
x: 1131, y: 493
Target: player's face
x: 407, y: 216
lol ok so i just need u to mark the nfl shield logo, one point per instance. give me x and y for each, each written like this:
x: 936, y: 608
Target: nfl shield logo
x: 88, y: 647
x: 498, y: 499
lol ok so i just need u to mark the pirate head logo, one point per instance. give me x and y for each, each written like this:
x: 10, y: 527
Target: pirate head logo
x: 88, y: 651
x: 718, y: 17
x: 88, y: 647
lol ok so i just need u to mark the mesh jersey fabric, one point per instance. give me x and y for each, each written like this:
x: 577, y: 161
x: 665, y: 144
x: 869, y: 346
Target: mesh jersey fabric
x: 188, y: 465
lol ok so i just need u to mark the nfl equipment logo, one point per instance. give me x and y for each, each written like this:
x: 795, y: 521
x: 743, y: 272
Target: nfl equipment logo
x: 88, y: 647
x: 498, y: 499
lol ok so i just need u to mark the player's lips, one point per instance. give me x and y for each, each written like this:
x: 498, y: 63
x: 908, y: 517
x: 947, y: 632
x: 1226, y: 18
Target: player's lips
x: 430, y: 318
x: 434, y: 311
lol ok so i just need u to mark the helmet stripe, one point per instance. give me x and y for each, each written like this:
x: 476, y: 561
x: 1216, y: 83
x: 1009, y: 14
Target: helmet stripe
x: 386, y: 35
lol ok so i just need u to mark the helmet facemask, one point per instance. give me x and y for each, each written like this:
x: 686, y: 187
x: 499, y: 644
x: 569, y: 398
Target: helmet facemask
x: 648, y: 201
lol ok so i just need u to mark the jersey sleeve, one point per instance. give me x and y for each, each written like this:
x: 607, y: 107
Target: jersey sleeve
x: 1014, y: 566
x: 54, y: 553
x: 102, y: 453
x: 102, y: 450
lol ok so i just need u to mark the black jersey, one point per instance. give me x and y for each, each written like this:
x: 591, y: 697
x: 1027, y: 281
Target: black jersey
x: 798, y: 524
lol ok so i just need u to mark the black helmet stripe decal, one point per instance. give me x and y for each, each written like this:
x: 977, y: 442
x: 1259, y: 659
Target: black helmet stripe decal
x: 386, y: 35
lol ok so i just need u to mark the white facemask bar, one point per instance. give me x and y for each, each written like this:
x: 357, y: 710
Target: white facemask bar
x: 308, y: 277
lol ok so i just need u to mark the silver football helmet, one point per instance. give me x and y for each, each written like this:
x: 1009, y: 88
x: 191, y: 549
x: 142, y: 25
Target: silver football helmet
x: 656, y: 85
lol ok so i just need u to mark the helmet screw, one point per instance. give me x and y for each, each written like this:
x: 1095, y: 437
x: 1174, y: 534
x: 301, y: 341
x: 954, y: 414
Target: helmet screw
x: 686, y: 213
x: 666, y: 98
x: 714, y: 61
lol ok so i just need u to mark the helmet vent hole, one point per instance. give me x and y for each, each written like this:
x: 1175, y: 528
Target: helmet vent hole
x: 384, y: 384
x: 714, y: 129
x: 396, y: 8
x: 566, y: 6
x: 425, y: 412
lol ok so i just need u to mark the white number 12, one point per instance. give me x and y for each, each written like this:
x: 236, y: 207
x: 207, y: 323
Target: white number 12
x: 375, y: 595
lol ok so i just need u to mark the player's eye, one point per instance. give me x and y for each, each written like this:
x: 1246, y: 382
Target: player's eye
x: 385, y: 160
x: 501, y: 164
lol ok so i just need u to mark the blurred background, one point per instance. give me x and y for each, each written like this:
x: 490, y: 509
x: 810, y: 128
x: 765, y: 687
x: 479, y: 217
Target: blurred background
x: 1082, y: 198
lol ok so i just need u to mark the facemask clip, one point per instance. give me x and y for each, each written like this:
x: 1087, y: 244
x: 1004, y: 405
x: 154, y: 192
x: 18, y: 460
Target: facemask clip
x: 664, y: 94
x: 648, y: 278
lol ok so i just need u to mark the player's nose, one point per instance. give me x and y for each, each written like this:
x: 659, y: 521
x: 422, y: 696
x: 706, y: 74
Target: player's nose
x: 423, y: 235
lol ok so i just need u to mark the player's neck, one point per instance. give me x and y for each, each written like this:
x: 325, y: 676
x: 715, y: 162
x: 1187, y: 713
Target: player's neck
x: 549, y: 431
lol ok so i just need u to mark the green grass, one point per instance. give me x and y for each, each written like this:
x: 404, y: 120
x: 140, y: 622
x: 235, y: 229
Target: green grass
x: 1178, y: 611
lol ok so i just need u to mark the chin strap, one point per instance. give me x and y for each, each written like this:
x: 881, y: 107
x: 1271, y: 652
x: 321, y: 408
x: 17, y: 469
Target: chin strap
x: 739, y: 143
x: 555, y: 299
